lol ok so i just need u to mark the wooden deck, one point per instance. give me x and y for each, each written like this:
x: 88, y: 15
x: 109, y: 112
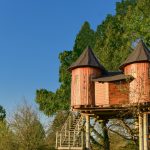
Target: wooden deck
x: 113, y: 111
x: 70, y: 148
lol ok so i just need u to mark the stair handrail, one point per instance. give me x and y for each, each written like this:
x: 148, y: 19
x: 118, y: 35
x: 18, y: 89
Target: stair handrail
x: 66, y: 122
x: 66, y: 127
x: 69, y: 121
x: 63, y: 129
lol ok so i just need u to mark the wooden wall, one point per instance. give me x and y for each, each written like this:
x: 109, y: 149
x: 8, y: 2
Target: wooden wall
x: 85, y: 92
x: 140, y: 86
x: 101, y: 94
x: 82, y: 87
x: 111, y: 93
x: 118, y: 93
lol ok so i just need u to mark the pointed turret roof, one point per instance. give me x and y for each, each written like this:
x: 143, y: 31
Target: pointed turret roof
x: 87, y: 59
x: 139, y: 54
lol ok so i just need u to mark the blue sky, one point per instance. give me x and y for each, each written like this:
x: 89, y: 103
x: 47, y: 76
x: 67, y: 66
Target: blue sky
x: 32, y: 34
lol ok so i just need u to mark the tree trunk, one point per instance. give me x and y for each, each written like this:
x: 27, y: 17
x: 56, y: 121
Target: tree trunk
x: 105, y: 135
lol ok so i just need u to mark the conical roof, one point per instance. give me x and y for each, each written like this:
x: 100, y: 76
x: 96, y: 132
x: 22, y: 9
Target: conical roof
x: 139, y: 54
x: 87, y: 59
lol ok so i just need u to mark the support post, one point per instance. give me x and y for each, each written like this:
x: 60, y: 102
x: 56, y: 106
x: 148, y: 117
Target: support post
x: 87, y: 131
x: 105, y: 135
x: 82, y: 138
x: 141, y: 144
x: 56, y: 139
x: 69, y: 122
x: 60, y: 139
x: 145, y: 130
x: 69, y: 139
x: 83, y: 133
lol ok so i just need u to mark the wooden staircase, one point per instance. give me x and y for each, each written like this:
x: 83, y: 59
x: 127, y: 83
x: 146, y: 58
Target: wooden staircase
x: 71, y: 136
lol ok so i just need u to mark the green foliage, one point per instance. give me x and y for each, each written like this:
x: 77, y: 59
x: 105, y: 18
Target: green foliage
x: 23, y: 132
x: 46, y: 100
x: 112, y: 47
x: 137, y: 21
x: 116, y: 35
x: 28, y: 131
x: 119, y: 143
x: 85, y: 37
x: 7, y: 140
x: 2, y: 113
x: 56, y: 125
x: 66, y: 59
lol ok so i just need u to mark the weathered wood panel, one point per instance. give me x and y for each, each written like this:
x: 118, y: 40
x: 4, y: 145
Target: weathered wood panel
x: 140, y: 86
x: 101, y: 94
x: 82, y: 87
x: 118, y: 93
x: 111, y: 93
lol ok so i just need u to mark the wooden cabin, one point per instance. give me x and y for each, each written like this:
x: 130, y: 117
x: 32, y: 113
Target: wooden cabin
x: 93, y: 85
x: 106, y: 95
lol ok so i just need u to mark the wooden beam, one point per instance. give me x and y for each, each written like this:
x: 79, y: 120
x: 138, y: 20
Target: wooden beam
x: 87, y: 131
x: 145, y: 130
x: 141, y: 145
x: 56, y: 139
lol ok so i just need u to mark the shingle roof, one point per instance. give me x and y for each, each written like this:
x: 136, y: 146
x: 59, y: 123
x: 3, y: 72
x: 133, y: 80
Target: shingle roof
x: 87, y: 59
x: 113, y: 76
x: 140, y: 53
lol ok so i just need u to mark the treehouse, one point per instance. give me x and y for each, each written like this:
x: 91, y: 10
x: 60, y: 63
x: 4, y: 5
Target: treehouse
x: 92, y: 85
x: 102, y: 94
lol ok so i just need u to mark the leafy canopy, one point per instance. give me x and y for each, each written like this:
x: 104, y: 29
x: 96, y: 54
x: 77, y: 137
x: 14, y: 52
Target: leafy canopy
x: 2, y: 113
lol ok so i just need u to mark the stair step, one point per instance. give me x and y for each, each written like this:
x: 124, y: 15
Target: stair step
x: 72, y: 136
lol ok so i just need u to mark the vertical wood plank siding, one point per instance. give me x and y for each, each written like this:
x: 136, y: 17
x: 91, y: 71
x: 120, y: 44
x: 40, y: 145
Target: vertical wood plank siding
x: 101, y: 93
x: 110, y: 93
x: 140, y: 86
x: 82, y: 87
x: 118, y: 93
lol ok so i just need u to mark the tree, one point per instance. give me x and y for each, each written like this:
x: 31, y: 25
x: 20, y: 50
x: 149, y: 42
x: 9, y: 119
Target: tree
x: 112, y: 46
x: 46, y: 101
x: 28, y: 130
x: 56, y: 125
x: 137, y: 21
x: 127, y: 131
x: 7, y: 140
x: 2, y: 113
x: 85, y: 37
